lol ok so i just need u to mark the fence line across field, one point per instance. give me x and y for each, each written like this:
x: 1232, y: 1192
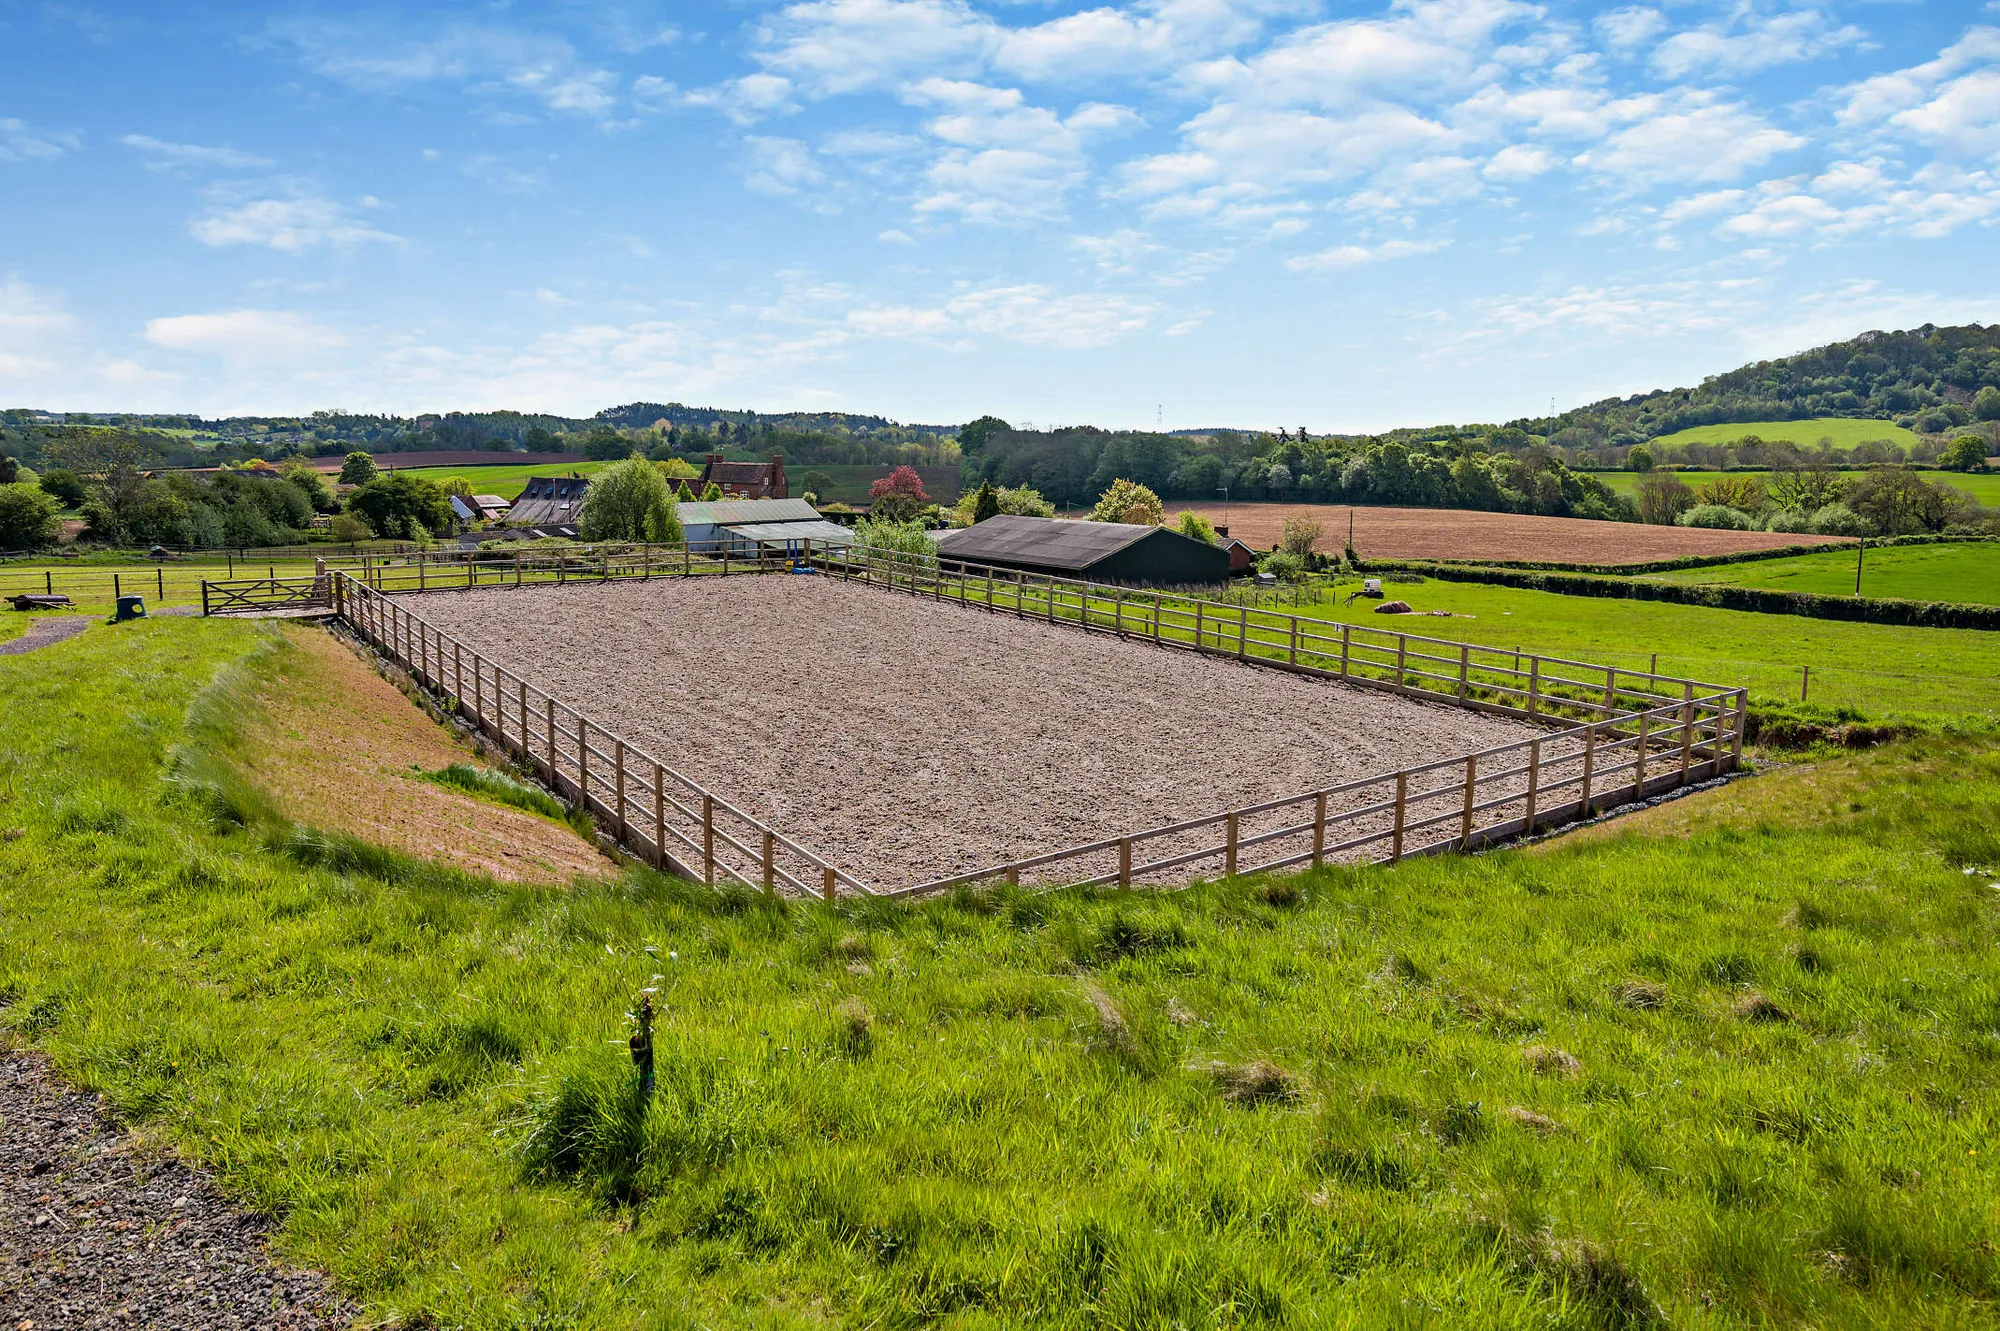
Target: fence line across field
x: 1626, y: 736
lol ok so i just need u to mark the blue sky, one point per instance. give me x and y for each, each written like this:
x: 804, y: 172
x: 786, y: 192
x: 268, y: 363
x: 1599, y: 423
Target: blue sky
x: 1252, y: 212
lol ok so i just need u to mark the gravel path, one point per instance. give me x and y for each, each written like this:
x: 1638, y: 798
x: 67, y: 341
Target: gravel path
x: 45, y: 633
x: 908, y: 740
x: 93, y: 1234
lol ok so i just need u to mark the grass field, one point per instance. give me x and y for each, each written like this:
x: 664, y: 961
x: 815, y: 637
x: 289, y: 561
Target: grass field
x: 506, y: 481
x: 1845, y: 432
x: 1738, y: 1073
x: 1880, y: 670
x: 1983, y: 486
x: 1969, y: 572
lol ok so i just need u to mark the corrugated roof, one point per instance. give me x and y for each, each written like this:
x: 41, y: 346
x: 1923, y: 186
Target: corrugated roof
x: 1049, y: 542
x: 826, y: 533
x: 723, y: 512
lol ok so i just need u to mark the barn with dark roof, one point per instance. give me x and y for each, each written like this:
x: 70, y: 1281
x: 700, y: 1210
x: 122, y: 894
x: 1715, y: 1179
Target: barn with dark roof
x: 1120, y: 552
x: 745, y: 480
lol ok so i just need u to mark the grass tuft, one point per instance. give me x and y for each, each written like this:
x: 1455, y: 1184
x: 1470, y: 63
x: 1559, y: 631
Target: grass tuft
x: 1256, y: 1082
x: 1642, y: 995
x: 1756, y: 1006
x: 1547, y: 1061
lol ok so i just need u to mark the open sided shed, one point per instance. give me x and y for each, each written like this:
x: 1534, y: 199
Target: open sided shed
x: 1122, y: 552
x: 716, y: 525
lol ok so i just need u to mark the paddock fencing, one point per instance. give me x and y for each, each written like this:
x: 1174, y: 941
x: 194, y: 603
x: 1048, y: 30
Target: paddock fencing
x: 1608, y: 736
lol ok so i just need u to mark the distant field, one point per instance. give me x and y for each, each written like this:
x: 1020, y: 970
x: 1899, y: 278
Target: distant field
x: 1433, y: 533
x: 850, y: 483
x: 506, y: 481
x: 1844, y: 431
x: 1983, y: 486
x: 1968, y: 573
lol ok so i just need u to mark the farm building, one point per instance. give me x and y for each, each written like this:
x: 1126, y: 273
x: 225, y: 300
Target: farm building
x: 745, y: 480
x: 744, y: 526
x: 478, y: 508
x: 549, y: 501
x: 1098, y: 551
x: 1241, y: 556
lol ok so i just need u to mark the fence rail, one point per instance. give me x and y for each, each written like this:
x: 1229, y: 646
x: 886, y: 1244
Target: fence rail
x: 1609, y: 735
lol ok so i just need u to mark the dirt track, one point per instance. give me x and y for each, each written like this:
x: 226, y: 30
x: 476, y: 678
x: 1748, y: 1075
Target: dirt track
x: 1429, y: 533
x: 909, y: 740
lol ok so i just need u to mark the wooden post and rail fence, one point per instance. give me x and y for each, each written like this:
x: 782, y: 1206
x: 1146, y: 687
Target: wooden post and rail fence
x: 1606, y: 737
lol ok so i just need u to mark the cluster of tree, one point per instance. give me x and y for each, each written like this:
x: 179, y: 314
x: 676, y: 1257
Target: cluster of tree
x: 1816, y: 499
x: 1927, y: 379
x: 1500, y: 471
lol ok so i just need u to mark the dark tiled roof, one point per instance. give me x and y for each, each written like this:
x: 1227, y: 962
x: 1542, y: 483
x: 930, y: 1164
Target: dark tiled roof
x: 549, y: 499
x: 1046, y: 542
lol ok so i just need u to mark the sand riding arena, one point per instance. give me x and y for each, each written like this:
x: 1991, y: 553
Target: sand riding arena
x: 890, y: 726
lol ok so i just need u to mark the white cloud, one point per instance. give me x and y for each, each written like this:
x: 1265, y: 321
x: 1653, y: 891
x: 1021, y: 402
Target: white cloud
x: 1687, y: 138
x: 263, y: 337
x: 1748, y: 43
x: 1005, y: 160
x: 748, y: 99
x: 1354, y: 256
x: 166, y: 156
x: 291, y: 225
x: 839, y: 46
x: 1624, y: 31
x: 1027, y: 313
x: 1518, y: 161
x: 893, y: 236
x: 1883, y: 96
x: 780, y: 167
x: 487, y: 59
x: 22, y: 142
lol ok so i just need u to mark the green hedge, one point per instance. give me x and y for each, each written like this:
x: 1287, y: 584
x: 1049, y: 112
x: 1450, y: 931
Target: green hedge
x: 1868, y: 610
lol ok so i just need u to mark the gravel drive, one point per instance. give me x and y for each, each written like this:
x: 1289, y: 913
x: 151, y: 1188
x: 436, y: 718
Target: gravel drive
x: 46, y: 633
x: 96, y: 1234
x: 908, y: 740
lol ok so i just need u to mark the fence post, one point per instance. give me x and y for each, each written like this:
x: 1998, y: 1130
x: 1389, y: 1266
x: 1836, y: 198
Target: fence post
x: 1198, y: 607
x: 1292, y: 651
x: 989, y: 589
x: 1471, y: 784
x: 517, y: 568
x: 1589, y: 760
x: 527, y: 754
x: 618, y: 783
x: 1534, y: 685
x: 1118, y: 610
x: 1687, y: 727
x: 1242, y: 631
x: 1402, y: 655
x: 1345, y: 630
x: 1402, y: 800
x: 1736, y: 739
x: 1229, y: 845
x: 1050, y: 580
x: 555, y: 772
x: 1534, y: 784
x: 1639, y: 772
x: 204, y: 597
x: 829, y: 885
x: 1464, y: 668
x: 583, y: 761
x: 117, y: 590
x: 659, y: 817
x: 478, y: 692
x: 1805, y: 681
x: 422, y: 564
x: 457, y: 677
x: 160, y: 581
x: 1124, y: 861
x: 708, y: 839
x: 1319, y: 828
x: 770, y: 864
x: 1610, y: 688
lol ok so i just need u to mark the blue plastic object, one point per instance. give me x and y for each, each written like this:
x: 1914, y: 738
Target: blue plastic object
x: 129, y: 607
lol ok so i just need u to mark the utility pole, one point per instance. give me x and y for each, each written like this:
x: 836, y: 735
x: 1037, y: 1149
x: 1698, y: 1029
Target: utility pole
x: 1860, y: 552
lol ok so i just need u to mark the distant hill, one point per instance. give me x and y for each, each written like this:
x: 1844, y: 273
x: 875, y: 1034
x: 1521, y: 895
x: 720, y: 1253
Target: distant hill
x: 1922, y: 379
x: 643, y: 415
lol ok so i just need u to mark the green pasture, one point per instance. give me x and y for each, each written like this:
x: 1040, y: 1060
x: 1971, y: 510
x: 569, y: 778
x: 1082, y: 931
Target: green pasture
x: 506, y: 481
x: 1968, y: 572
x: 95, y: 586
x: 1880, y: 670
x: 1983, y: 486
x: 1738, y: 1073
x: 1844, y: 431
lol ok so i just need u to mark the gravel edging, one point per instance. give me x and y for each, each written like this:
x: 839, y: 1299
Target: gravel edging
x: 97, y: 1233
x: 46, y: 633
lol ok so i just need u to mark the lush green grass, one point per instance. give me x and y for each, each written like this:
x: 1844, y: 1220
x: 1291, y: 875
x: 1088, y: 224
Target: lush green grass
x: 1018, y: 1111
x: 1880, y: 670
x: 1968, y: 572
x: 94, y: 586
x: 1845, y: 432
x: 506, y: 481
x: 1983, y: 486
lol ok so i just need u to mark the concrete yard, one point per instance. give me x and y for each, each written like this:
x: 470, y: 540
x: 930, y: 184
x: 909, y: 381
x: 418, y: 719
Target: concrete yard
x: 908, y: 740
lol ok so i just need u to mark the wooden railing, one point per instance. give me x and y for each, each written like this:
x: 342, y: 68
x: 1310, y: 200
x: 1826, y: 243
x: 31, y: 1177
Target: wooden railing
x: 662, y: 815
x: 1611, y: 736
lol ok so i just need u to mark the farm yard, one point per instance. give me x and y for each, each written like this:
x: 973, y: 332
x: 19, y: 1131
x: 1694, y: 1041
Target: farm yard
x: 1417, y: 533
x: 895, y: 735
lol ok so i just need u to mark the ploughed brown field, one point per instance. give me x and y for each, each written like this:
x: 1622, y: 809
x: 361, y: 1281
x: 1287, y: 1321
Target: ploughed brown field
x: 1451, y: 533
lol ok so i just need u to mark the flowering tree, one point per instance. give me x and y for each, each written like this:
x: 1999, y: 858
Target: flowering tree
x: 898, y: 496
x: 1127, y: 501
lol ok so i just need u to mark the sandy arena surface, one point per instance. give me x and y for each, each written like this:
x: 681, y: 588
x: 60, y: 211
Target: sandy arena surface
x: 908, y: 740
x: 1449, y: 533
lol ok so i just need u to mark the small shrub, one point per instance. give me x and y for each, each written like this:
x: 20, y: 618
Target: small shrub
x: 1716, y: 516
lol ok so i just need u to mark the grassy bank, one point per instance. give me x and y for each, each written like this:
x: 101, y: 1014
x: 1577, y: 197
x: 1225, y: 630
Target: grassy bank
x: 1844, y: 431
x: 1739, y: 1074
x: 1968, y: 573
x: 1983, y: 486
